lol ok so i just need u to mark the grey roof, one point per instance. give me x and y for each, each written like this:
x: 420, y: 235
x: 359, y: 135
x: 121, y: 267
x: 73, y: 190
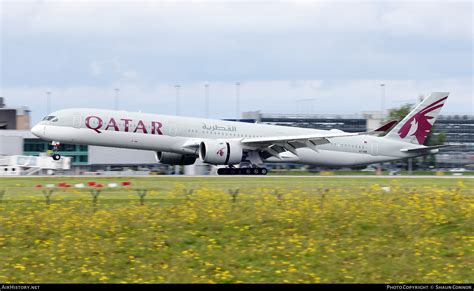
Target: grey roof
x: 21, y: 133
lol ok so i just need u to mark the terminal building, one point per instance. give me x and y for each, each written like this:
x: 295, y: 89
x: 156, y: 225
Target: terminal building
x: 17, y: 140
x: 14, y: 118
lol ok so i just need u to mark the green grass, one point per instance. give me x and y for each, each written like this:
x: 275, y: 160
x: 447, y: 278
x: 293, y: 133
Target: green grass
x: 298, y: 172
x: 274, y: 230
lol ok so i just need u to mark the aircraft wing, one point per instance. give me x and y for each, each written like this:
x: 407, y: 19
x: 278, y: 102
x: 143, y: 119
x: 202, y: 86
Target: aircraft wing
x: 317, y: 139
x: 277, y: 144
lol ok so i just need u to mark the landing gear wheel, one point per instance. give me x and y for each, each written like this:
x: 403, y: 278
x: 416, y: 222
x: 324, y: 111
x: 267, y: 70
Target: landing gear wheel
x: 242, y: 171
x: 56, y: 157
x: 226, y: 171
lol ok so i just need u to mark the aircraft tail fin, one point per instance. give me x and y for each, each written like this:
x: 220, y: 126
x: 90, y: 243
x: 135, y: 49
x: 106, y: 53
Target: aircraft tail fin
x: 414, y: 128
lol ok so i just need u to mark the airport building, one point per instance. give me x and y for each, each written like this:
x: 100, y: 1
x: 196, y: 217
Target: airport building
x: 14, y: 118
x: 459, y: 129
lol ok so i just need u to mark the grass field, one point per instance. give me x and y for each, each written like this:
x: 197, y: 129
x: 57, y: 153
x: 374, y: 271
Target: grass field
x: 233, y: 229
x: 297, y: 172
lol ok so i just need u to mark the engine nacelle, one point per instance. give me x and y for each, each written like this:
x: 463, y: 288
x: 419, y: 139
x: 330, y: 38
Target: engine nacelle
x: 175, y: 159
x: 220, y: 152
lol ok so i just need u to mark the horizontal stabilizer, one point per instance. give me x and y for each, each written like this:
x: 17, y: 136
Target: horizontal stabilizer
x: 428, y: 148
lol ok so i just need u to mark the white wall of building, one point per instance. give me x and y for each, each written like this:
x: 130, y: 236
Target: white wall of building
x: 114, y: 156
x: 11, y: 145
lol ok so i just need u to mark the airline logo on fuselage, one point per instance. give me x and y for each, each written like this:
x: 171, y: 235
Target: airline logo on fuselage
x: 127, y: 125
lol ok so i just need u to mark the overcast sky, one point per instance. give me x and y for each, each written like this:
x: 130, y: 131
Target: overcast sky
x: 337, y: 53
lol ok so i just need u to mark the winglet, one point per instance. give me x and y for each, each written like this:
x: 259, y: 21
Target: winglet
x: 431, y: 148
x: 382, y: 129
x: 387, y: 126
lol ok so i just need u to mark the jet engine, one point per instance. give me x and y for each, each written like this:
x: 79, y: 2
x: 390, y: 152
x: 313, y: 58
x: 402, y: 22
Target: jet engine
x: 220, y: 152
x: 175, y: 159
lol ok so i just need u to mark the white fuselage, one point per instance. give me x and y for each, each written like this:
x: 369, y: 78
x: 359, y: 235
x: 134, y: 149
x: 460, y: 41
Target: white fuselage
x: 174, y: 134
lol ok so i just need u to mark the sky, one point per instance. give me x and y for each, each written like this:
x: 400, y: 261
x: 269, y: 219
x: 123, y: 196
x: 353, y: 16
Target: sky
x: 288, y: 56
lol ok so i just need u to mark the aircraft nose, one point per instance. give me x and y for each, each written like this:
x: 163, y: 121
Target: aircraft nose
x: 37, y: 130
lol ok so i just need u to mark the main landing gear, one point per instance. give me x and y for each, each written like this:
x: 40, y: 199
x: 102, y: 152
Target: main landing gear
x: 56, y: 156
x: 242, y: 171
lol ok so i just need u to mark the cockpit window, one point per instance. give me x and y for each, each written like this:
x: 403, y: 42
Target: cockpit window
x: 50, y: 117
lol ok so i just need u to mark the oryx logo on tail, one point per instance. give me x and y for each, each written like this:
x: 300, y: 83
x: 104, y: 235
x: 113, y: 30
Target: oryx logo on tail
x: 419, y: 125
x: 414, y: 128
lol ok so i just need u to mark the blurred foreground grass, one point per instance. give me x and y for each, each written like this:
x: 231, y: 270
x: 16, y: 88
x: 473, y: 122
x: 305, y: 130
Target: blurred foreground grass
x: 227, y: 230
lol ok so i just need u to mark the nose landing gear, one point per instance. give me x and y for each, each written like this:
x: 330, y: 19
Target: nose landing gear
x: 56, y: 156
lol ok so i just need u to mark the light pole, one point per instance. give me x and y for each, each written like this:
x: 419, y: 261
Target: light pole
x: 382, y: 105
x: 48, y: 102
x: 237, y: 97
x: 177, y: 98
x: 206, y: 101
x: 117, y: 98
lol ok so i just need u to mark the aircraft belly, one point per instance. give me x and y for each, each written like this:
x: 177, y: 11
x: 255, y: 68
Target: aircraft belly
x: 327, y: 158
x: 340, y: 159
x: 332, y: 158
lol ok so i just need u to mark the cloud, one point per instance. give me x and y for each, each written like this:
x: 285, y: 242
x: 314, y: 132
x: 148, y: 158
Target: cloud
x: 114, y: 69
x: 64, y: 41
x: 445, y: 19
x: 96, y: 68
x: 335, y: 51
x: 112, y: 18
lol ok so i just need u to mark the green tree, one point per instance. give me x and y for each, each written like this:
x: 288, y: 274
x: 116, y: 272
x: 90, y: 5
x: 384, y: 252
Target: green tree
x: 435, y: 138
x: 431, y: 140
x: 400, y: 112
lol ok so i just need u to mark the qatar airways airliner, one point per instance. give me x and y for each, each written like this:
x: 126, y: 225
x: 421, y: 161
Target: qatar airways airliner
x: 241, y: 147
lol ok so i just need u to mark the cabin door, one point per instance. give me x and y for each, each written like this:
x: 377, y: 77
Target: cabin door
x: 374, y: 148
x: 77, y: 120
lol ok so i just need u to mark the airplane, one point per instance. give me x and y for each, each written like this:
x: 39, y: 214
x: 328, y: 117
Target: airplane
x: 242, y: 147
